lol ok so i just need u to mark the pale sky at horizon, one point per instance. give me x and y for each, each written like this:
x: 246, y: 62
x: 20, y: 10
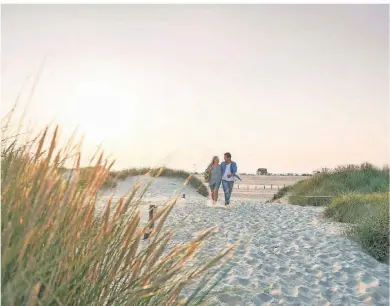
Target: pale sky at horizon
x: 291, y: 88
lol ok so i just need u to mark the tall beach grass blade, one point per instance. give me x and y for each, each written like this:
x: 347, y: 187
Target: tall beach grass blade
x: 56, y: 241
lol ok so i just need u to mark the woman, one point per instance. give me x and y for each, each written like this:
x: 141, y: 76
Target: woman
x: 215, y: 177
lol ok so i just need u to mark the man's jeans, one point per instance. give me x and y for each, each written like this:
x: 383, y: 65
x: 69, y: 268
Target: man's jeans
x: 227, y: 189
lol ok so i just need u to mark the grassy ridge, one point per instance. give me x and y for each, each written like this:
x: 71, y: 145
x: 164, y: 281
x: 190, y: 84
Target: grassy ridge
x: 164, y: 172
x: 359, y: 196
x: 57, y: 251
x: 363, y: 179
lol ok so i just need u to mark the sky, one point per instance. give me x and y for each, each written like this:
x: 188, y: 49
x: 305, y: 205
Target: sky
x: 291, y: 88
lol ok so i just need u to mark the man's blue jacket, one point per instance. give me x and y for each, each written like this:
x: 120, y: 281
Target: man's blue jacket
x: 233, y: 167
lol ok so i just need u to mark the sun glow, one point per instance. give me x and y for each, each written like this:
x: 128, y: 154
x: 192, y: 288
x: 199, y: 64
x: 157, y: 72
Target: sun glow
x: 102, y: 109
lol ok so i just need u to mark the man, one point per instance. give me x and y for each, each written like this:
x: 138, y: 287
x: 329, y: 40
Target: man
x: 228, y: 171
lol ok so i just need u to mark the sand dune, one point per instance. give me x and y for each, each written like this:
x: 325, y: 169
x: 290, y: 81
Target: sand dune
x: 159, y: 193
x: 161, y: 189
x: 289, y: 255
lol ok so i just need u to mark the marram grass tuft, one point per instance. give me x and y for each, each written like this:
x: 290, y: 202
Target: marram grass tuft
x: 57, y: 250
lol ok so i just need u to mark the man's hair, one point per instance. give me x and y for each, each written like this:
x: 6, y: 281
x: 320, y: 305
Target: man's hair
x: 228, y: 155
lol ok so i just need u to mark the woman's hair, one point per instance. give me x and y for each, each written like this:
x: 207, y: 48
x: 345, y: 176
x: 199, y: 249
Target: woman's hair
x: 212, y: 160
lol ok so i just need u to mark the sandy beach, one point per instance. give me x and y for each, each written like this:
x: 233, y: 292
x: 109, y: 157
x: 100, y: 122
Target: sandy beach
x: 288, y: 101
x: 288, y: 255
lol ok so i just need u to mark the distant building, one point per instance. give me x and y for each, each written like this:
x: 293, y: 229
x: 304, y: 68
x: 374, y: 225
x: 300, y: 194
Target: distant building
x: 262, y: 171
x: 323, y: 170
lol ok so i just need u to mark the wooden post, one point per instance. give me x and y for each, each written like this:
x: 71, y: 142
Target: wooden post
x: 264, y: 186
x: 152, y: 208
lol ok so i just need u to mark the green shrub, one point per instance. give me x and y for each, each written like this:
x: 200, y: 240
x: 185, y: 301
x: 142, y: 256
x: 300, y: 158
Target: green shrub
x: 372, y: 232
x: 349, y: 208
x: 280, y: 194
x: 363, y: 179
x: 57, y: 250
x: 369, y: 216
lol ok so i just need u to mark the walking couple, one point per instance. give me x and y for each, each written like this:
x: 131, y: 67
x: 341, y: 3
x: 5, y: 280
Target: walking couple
x: 225, y: 173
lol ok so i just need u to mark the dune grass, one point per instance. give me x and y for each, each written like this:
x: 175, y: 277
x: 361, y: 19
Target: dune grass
x: 351, y: 207
x: 86, y: 173
x: 281, y: 193
x: 57, y: 250
x: 357, y: 195
x: 363, y: 179
x: 369, y: 218
x: 164, y: 172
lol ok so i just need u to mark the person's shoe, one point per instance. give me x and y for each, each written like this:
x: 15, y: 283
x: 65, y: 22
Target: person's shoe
x: 227, y: 203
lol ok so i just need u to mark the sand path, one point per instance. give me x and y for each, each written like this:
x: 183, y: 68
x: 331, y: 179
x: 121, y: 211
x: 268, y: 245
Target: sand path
x: 289, y: 255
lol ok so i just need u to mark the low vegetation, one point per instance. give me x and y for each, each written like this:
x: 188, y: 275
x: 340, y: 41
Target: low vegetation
x: 321, y: 188
x: 281, y: 193
x: 114, y: 176
x: 351, y: 207
x: 57, y: 250
x: 357, y: 195
x: 369, y: 218
x: 85, y: 175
